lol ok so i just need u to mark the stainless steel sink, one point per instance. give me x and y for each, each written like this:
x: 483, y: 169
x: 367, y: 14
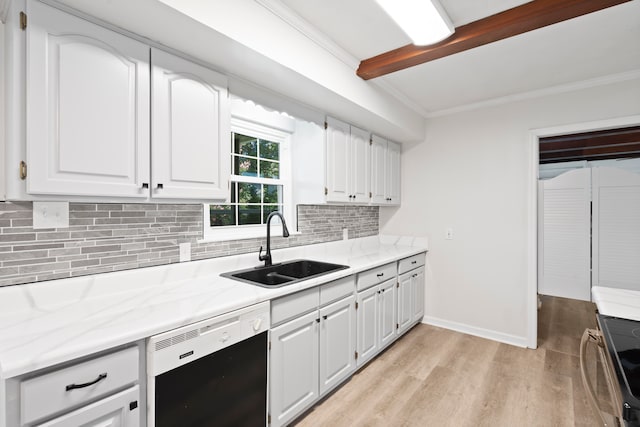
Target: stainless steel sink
x: 285, y: 273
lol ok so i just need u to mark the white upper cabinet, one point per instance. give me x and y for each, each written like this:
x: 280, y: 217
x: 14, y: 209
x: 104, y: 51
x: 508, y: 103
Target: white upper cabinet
x: 347, y: 163
x: 385, y: 171
x: 338, y: 153
x: 87, y: 108
x: 191, y: 145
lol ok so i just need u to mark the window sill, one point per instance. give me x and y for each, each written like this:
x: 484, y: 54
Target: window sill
x: 243, y: 233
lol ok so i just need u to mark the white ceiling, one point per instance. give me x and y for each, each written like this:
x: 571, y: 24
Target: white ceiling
x: 605, y: 44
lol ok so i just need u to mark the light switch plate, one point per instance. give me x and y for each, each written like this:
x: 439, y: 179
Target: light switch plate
x: 50, y: 215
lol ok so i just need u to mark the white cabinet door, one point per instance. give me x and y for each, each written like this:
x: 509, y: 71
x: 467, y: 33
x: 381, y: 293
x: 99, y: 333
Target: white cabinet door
x: 190, y: 130
x: 387, y: 296
x: 392, y: 173
x: 378, y: 165
x: 337, y: 342
x: 405, y: 298
x: 119, y: 410
x: 338, y: 161
x: 359, y: 165
x: 417, y: 286
x: 87, y: 112
x: 367, y: 324
x: 293, y: 368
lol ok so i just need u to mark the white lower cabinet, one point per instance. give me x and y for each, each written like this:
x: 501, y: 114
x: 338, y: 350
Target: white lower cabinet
x: 312, y: 353
x: 376, y: 319
x: 337, y: 343
x: 88, y: 393
x: 113, y: 411
x: 294, y: 368
x: 405, y: 306
x: 417, y: 285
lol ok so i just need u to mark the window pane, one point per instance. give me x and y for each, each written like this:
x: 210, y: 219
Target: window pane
x: 272, y: 193
x: 249, y: 214
x: 249, y: 193
x: 269, y: 150
x: 246, y: 145
x: 269, y: 169
x: 245, y: 166
x: 267, y: 209
x: 221, y: 215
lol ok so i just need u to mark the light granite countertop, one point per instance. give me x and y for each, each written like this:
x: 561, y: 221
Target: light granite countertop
x: 46, y: 323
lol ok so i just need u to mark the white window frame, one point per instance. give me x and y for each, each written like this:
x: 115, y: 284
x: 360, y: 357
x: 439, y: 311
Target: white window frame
x: 235, y: 232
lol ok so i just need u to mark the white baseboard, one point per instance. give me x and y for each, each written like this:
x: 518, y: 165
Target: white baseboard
x: 478, y: 332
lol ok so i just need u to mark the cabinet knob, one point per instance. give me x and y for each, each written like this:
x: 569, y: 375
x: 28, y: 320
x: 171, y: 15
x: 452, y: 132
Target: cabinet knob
x: 145, y: 185
x: 318, y: 320
x: 324, y: 317
x: 160, y: 186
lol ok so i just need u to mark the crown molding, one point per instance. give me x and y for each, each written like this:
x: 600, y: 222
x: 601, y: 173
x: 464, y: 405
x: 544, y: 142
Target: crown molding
x: 553, y: 90
x: 305, y: 28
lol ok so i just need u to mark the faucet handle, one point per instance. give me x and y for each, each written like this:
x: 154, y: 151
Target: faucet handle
x: 260, y: 256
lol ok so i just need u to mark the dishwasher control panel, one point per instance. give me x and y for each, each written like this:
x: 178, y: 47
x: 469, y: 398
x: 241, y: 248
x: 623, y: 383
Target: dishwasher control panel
x: 177, y: 347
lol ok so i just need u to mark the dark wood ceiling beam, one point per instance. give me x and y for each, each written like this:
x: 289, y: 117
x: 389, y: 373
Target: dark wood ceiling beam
x: 512, y: 22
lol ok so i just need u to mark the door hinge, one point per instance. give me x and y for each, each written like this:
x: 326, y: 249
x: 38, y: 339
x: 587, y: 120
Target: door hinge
x: 370, y: 140
x: 356, y: 355
x: 23, y: 170
x: 356, y: 305
x: 23, y: 21
x: 269, y: 345
x: 268, y: 418
x: 326, y: 191
x: 397, y: 326
x: 326, y: 125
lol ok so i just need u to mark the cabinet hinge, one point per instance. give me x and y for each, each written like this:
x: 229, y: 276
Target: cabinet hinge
x: 397, y: 284
x: 23, y: 170
x: 356, y: 305
x: 356, y: 355
x: 23, y: 21
x: 370, y: 140
x: 397, y: 326
x: 370, y: 195
x: 326, y: 191
x: 326, y: 125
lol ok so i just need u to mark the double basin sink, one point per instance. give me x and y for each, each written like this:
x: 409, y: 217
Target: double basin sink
x: 285, y: 273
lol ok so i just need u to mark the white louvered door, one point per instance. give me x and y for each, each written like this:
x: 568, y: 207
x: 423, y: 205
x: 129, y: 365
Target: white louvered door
x: 564, y: 235
x: 616, y: 228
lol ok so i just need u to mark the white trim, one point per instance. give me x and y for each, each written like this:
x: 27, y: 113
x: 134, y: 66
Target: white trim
x: 258, y: 231
x: 478, y: 332
x: 568, y: 87
x: 305, y: 28
x: 532, y: 206
x: 4, y: 10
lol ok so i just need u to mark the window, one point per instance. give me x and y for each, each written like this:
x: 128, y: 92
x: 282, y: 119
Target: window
x: 260, y: 183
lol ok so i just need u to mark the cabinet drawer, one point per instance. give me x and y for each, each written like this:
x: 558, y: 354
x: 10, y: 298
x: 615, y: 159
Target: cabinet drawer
x: 376, y: 275
x: 337, y: 289
x: 54, y: 392
x: 294, y: 305
x: 410, y: 263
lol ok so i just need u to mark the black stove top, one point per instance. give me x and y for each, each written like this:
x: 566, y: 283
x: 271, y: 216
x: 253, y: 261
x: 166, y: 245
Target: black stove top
x: 623, y: 342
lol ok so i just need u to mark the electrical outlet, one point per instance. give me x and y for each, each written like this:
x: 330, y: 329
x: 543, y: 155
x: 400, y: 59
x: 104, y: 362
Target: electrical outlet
x: 50, y: 215
x: 449, y: 234
x: 185, y: 251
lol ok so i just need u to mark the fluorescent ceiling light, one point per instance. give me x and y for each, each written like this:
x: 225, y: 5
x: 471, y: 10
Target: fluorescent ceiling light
x: 424, y: 21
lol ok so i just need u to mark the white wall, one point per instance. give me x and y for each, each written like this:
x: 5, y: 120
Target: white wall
x: 472, y: 174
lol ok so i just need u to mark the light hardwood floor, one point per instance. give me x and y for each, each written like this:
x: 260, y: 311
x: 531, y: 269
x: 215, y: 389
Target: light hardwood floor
x: 437, y: 377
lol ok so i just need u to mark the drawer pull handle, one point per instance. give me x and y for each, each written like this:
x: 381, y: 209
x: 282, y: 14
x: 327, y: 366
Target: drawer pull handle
x: 414, y: 262
x: 74, y: 386
x: 380, y: 274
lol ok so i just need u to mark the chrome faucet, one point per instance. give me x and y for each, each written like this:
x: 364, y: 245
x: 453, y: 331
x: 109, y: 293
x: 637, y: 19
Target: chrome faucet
x: 285, y: 233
